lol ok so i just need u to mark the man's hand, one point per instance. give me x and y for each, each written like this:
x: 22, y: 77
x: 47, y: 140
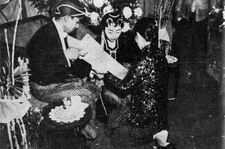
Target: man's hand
x: 74, y: 53
x: 82, y: 53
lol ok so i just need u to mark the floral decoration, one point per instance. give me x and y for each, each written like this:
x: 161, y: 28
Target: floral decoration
x: 107, y: 9
x: 14, y: 92
x: 138, y: 12
x: 127, y: 12
x: 129, y: 8
x: 98, y: 3
x: 19, y: 88
x: 96, y: 9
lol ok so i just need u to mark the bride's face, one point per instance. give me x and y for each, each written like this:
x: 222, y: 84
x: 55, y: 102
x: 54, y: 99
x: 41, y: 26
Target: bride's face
x: 113, y: 32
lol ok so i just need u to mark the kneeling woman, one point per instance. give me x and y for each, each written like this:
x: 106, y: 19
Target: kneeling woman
x: 145, y: 118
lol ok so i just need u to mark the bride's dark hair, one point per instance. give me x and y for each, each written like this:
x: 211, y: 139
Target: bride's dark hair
x: 148, y: 29
x: 114, y: 18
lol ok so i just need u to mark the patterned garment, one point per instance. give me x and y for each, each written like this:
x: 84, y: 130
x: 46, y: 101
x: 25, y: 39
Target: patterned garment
x: 147, y: 113
x: 56, y: 92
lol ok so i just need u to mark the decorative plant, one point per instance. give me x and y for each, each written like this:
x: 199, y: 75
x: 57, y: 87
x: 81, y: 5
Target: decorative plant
x: 163, y: 16
x: 14, y: 93
x: 42, y: 5
x: 98, y: 8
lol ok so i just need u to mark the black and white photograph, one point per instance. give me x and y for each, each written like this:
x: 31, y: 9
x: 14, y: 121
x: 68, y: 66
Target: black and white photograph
x: 112, y: 74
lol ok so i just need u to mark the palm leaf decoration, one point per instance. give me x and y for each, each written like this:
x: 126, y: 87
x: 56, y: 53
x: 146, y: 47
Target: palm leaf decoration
x: 19, y: 85
x: 14, y: 93
x: 14, y: 82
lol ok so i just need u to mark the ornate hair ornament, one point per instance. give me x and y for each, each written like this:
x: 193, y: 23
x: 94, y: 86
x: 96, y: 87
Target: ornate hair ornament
x: 110, y: 21
x: 114, y: 16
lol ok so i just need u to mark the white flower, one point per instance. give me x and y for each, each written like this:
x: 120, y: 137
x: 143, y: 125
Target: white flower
x: 94, y: 18
x: 37, y: 109
x: 107, y: 9
x: 98, y: 3
x: 217, y: 10
x: 21, y: 62
x: 138, y: 12
x: 179, y: 19
x: 126, y: 27
x: 107, y: 2
x: 127, y: 12
x: 224, y: 14
x: 26, y: 90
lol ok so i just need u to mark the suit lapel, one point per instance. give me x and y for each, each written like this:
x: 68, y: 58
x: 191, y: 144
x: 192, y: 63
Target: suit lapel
x: 58, y: 48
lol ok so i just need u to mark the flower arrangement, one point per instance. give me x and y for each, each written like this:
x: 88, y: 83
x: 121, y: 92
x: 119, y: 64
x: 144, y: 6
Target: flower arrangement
x: 14, y: 93
x: 98, y: 8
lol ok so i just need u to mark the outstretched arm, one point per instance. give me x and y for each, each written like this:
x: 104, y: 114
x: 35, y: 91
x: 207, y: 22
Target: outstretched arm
x: 134, y: 76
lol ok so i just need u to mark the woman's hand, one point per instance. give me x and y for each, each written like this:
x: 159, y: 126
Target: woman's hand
x: 127, y: 65
x: 141, y: 42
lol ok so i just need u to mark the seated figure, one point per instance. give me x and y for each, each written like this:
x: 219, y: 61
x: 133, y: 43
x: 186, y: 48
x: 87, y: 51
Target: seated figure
x: 119, y: 46
x: 56, y: 70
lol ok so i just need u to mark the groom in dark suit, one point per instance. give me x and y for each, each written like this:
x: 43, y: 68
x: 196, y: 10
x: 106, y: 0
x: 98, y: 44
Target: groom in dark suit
x: 51, y: 60
x: 54, y: 64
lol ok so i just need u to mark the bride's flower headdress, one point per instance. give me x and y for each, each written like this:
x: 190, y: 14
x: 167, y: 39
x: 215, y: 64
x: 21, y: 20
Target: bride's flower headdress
x: 130, y: 9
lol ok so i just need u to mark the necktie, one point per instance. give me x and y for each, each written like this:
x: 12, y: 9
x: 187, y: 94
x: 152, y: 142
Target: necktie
x: 66, y: 42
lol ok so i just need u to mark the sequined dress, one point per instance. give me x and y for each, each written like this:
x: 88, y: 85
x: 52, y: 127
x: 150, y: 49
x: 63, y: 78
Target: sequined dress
x: 147, y: 80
